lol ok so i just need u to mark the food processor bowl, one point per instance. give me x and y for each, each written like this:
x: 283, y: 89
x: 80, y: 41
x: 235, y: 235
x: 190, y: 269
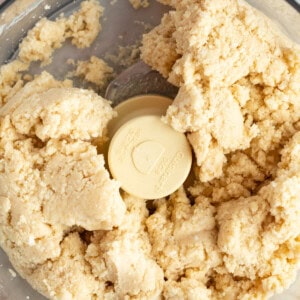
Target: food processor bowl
x: 121, y: 33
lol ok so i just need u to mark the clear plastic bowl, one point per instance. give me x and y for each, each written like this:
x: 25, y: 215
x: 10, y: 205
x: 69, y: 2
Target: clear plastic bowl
x: 17, y: 17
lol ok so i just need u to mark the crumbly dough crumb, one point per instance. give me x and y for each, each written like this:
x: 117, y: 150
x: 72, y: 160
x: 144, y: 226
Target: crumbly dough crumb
x: 126, y: 56
x: 83, y: 26
x: 159, y: 48
x: 11, y: 80
x: 46, y: 36
x: 136, y: 4
x: 95, y: 70
x: 42, y: 40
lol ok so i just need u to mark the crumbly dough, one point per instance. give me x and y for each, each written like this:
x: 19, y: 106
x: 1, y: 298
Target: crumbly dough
x: 46, y: 36
x: 11, y: 80
x: 113, y: 264
x: 233, y: 234
x: 244, y: 248
x: 95, y: 70
x: 238, y: 79
x: 238, y: 102
x: 42, y: 40
x: 83, y: 26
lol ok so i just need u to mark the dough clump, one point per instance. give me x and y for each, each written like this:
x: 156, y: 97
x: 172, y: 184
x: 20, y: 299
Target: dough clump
x: 59, y: 208
x: 238, y: 78
x: 47, y: 130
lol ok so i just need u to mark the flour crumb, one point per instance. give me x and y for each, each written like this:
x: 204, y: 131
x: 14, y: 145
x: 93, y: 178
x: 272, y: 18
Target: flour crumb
x: 146, y: 26
x: 95, y: 70
x: 126, y: 55
x: 31, y: 241
x: 136, y: 4
x: 12, y: 273
x: 71, y: 61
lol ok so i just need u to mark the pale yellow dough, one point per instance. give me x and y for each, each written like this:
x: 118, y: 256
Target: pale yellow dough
x: 238, y: 79
x: 233, y: 234
x: 239, y: 104
x: 82, y: 27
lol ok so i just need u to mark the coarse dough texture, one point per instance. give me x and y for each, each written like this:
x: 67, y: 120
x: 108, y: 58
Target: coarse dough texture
x: 234, y: 234
x: 82, y: 28
x: 45, y: 37
x: 245, y: 248
x: 239, y: 104
x: 50, y: 170
x: 238, y: 79
x: 63, y: 223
